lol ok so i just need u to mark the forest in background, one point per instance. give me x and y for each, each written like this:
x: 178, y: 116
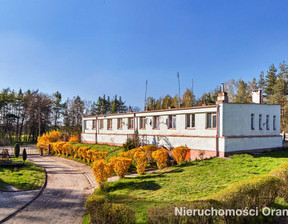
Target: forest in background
x: 25, y: 115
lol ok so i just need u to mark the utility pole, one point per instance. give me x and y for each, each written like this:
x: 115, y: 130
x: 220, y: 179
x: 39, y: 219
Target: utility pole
x: 179, y: 89
x: 192, y: 90
x: 145, y: 94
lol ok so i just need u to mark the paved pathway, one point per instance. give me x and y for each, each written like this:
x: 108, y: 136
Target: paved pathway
x: 63, y: 199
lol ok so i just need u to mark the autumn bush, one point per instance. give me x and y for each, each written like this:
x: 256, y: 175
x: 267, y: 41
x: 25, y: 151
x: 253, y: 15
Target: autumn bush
x: 67, y: 149
x: 141, y: 160
x: 180, y: 153
x: 161, y: 157
x: 282, y: 173
x: 48, y: 138
x: 103, y: 212
x: 121, y: 165
x: 98, y: 155
x: 74, y: 139
x: 149, y: 149
x: 102, y: 171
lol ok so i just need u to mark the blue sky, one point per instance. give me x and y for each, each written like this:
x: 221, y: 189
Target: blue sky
x: 90, y: 48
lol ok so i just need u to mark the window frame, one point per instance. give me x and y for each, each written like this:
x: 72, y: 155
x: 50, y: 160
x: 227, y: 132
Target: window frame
x: 191, y: 121
x: 274, y: 122
x: 101, y: 124
x: 130, y: 123
x: 94, y: 124
x: 260, y: 122
x: 142, y: 123
x: 267, y: 122
x: 109, y: 123
x: 252, y: 121
x: 156, y: 120
x: 172, y: 123
x: 210, y: 125
x: 119, y: 123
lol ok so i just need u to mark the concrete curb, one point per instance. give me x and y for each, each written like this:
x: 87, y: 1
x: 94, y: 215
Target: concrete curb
x: 28, y: 203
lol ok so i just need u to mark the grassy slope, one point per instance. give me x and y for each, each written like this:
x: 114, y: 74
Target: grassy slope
x: 196, y: 180
x: 30, y: 176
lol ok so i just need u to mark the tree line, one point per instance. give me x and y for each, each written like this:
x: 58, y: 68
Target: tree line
x: 26, y: 115
x: 273, y: 83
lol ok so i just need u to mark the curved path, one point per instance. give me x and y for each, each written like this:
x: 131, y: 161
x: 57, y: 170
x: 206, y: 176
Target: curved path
x: 62, y: 201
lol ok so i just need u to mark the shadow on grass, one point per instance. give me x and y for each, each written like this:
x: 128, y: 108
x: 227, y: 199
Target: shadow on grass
x: 133, y: 185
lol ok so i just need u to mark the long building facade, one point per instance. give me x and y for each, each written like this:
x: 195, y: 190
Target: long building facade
x: 214, y: 130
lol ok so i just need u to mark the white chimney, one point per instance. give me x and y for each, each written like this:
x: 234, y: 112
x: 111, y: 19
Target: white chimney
x: 257, y: 96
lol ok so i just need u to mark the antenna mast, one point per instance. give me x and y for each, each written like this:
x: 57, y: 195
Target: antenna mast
x: 179, y: 89
x: 192, y: 92
x: 145, y: 94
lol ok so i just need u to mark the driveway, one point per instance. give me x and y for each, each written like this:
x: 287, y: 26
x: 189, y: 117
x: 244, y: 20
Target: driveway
x: 62, y: 201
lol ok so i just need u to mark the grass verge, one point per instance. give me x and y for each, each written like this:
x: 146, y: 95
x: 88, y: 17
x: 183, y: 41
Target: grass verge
x: 28, y: 177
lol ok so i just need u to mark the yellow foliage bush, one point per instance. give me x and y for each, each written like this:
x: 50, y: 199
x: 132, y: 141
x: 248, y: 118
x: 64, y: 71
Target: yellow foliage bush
x: 149, y: 149
x: 89, y: 156
x: 48, y: 138
x: 129, y: 154
x: 102, y: 171
x: 67, y: 149
x: 98, y: 155
x: 75, y: 151
x: 74, y: 139
x: 121, y: 165
x: 180, y: 153
x: 140, y: 159
x: 161, y: 157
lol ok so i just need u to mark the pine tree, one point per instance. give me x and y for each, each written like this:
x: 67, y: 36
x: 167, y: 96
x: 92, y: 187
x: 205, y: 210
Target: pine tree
x: 242, y: 95
x: 270, y: 82
x: 261, y: 81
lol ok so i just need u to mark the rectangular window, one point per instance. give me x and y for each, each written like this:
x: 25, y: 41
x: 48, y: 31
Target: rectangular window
x: 119, y: 123
x: 260, y: 121
x: 142, y: 122
x: 101, y: 124
x: 211, y: 120
x: 109, y: 124
x: 267, y: 122
x: 252, y: 122
x: 94, y: 124
x: 156, y: 122
x: 190, y: 120
x: 85, y: 125
x: 274, y: 122
x: 130, y: 123
x: 172, y: 121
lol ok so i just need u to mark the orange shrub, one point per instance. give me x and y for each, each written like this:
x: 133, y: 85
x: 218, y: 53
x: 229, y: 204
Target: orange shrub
x: 98, y: 155
x: 140, y: 159
x: 161, y: 157
x: 148, y: 149
x: 129, y: 154
x: 121, y: 165
x: 89, y: 156
x: 180, y: 153
x: 75, y: 151
x: 102, y: 171
x: 48, y: 138
x: 67, y: 149
x: 74, y: 139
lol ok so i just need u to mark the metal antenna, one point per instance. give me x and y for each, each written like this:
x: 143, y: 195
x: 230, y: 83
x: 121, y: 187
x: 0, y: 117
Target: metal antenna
x: 145, y: 94
x: 179, y: 89
x: 192, y: 92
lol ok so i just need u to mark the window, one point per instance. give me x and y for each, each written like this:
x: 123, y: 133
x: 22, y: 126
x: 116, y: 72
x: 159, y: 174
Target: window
x: 274, y: 122
x: 190, y: 120
x: 109, y: 123
x: 252, y: 122
x: 119, y: 123
x: 172, y: 121
x: 85, y: 125
x: 142, y: 122
x: 94, y: 124
x: 156, y: 122
x: 130, y: 123
x: 267, y: 122
x: 211, y: 120
x: 101, y: 124
x: 260, y: 121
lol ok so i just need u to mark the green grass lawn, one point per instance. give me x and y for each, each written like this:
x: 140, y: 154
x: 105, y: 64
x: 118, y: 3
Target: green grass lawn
x: 193, y: 181
x: 28, y: 177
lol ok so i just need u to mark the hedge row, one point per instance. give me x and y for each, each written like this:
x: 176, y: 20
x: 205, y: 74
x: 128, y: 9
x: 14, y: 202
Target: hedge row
x: 257, y: 192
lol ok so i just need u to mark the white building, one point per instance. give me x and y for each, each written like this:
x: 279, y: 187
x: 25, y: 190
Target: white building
x: 217, y: 130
